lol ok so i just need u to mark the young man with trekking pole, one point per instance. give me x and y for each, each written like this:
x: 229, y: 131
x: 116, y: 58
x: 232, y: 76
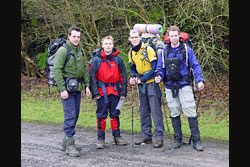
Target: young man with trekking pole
x: 108, y: 80
x: 174, y: 65
x: 142, y: 74
x: 71, y: 78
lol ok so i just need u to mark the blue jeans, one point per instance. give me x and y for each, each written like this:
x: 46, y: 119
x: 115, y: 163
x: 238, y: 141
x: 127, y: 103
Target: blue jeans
x: 71, y: 108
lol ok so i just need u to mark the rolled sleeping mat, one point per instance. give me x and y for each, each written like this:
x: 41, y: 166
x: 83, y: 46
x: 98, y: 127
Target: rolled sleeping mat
x: 149, y: 28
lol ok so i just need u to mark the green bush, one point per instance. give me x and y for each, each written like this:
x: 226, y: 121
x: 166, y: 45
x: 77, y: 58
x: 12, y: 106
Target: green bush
x: 42, y: 58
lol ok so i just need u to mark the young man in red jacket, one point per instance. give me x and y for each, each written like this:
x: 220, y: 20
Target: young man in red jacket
x: 108, y: 79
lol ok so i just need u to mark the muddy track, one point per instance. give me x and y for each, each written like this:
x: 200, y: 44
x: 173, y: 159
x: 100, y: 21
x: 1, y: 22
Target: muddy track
x: 40, y: 147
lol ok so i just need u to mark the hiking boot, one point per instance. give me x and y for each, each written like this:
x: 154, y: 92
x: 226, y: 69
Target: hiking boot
x: 158, y: 144
x: 197, y: 145
x: 70, y: 147
x: 143, y: 140
x: 100, y: 144
x: 119, y: 141
x: 64, y: 142
x: 176, y: 144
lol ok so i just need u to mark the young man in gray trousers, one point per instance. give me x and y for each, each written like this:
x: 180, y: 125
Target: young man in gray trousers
x: 142, y: 74
x: 174, y: 64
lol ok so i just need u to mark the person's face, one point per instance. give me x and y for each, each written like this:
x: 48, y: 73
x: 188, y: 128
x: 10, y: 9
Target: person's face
x: 74, y: 38
x: 174, y: 37
x: 107, y: 45
x: 134, y: 39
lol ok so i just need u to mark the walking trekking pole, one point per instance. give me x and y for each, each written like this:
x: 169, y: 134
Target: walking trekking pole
x: 165, y: 115
x: 199, y: 98
x: 197, y: 105
x: 132, y: 108
x: 49, y: 88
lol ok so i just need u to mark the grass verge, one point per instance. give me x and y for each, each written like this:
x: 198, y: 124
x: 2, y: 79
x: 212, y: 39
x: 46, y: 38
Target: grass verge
x: 38, y: 105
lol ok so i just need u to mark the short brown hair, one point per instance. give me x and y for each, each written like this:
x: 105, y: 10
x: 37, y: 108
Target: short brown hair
x: 134, y: 31
x: 173, y: 28
x: 74, y: 28
x: 108, y: 37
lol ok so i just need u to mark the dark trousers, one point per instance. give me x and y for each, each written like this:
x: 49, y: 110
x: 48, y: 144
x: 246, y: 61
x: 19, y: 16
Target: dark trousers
x: 103, y: 109
x: 150, y: 102
x: 71, y: 108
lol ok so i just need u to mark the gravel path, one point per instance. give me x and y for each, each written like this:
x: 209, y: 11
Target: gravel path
x: 40, y: 148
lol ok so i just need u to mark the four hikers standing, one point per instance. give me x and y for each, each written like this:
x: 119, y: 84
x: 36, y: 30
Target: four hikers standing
x: 108, y: 80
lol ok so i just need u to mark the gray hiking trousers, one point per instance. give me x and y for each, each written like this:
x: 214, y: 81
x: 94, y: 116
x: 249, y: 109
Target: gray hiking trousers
x: 185, y: 102
x: 150, y: 102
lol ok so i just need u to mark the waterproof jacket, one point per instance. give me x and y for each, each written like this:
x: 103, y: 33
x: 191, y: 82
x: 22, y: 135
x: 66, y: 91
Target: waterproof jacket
x: 76, y: 67
x: 142, y: 67
x: 184, y: 70
x: 108, y: 73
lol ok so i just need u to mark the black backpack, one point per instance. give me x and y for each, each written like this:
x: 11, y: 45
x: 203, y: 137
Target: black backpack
x: 52, y: 49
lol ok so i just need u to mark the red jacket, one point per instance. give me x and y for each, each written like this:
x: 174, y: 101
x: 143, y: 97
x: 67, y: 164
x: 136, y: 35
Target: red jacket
x: 104, y: 70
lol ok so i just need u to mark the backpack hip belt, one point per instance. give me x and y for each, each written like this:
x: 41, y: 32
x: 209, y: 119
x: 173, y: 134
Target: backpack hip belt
x: 175, y: 91
x: 103, y: 85
x: 142, y: 86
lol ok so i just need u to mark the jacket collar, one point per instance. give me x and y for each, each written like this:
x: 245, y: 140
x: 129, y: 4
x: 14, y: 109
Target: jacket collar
x: 114, y: 53
x: 72, y: 46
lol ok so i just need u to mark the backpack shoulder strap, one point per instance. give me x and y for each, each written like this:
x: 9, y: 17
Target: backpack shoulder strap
x: 145, y: 52
x: 99, y: 61
x: 82, y: 52
x: 68, y: 53
x: 116, y: 60
x: 186, y: 54
x: 130, y: 54
x: 191, y: 73
x: 165, y: 55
